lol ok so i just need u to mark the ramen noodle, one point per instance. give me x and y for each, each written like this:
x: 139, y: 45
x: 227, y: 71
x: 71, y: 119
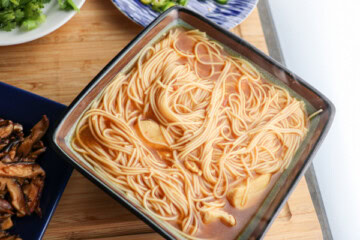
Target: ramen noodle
x: 194, y: 134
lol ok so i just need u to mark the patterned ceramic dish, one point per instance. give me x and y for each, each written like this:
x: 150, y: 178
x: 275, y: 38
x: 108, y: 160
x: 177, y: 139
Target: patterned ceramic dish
x: 27, y: 108
x: 55, y: 18
x: 227, y: 16
x: 279, y: 193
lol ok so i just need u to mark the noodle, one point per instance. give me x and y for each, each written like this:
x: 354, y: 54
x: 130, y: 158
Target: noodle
x: 212, y: 122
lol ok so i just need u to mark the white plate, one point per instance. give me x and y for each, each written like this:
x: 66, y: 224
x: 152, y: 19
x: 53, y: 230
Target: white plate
x: 55, y: 18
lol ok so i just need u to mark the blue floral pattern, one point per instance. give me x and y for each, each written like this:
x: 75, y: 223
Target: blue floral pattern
x: 227, y: 16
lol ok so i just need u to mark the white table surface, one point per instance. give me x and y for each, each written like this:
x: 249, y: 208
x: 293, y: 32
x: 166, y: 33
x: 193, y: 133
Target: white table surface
x: 320, y: 41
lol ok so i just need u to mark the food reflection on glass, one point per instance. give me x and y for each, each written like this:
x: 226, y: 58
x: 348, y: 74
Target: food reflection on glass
x: 193, y: 134
x: 21, y: 178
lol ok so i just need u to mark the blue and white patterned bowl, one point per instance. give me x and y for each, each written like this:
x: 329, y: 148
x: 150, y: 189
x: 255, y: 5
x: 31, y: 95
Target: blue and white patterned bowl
x: 227, y: 16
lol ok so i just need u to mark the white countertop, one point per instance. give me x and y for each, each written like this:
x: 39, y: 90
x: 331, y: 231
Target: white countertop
x: 320, y: 41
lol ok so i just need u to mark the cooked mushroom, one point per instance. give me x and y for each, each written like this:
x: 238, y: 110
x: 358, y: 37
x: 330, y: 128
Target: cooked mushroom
x: 18, y: 129
x: 6, y: 158
x: 17, y: 195
x: 10, y: 152
x: 33, y: 155
x: 213, y: 215
x: 3, y: 143
x: 3, y: 190
x: 6, y: 128
x: 3, y: 234
x: 5, y: 207
x: 6, y: 223
x: 38, y: 145
x: 21, y: 170
x: 3, y: 217
x: 240, y: 196
x: 6, y: 236
x: 37, y: 132
x: 32, y: 192
x: 151, y: 132
x: 21, y: 179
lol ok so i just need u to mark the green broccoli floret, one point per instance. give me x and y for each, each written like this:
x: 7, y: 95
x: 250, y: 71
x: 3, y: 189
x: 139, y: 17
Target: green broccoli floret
x: 27, y: 14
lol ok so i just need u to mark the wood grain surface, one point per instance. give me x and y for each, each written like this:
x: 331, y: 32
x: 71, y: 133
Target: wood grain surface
x: 59, y: 66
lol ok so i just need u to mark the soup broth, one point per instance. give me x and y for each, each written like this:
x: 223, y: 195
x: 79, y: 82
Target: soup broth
x: 195, y: 135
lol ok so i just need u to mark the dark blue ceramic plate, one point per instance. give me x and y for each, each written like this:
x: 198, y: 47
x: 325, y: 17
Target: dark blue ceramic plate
x: 227, y: 16
x: 27, y: 108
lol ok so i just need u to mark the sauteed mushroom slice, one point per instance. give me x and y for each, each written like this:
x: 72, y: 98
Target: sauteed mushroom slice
x: 3, y: 234
x: 6, y: 158
x: 32, y: 192
x: 33, y: 155
x: 3, y: 191
x: 6, y: 236
x: 21, y: 179
x: 3, y: 217
x: 37, y: 132
x: 6, y: 128
x: 5, y: 207
x: 16, y: 195
x: 18, y: 130
x: 6, y: 223
x: 21, y: 170
x: 217, y: 214
x: 10, y: 152
x: 38, y: 145
x: 4, y: 143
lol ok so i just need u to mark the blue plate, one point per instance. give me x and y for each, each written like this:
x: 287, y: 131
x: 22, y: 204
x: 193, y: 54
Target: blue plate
x: 27, y: 108
x: 227, y: 16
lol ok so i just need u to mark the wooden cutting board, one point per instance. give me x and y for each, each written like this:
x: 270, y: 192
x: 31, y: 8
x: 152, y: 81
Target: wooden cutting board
x: 59, y: 66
